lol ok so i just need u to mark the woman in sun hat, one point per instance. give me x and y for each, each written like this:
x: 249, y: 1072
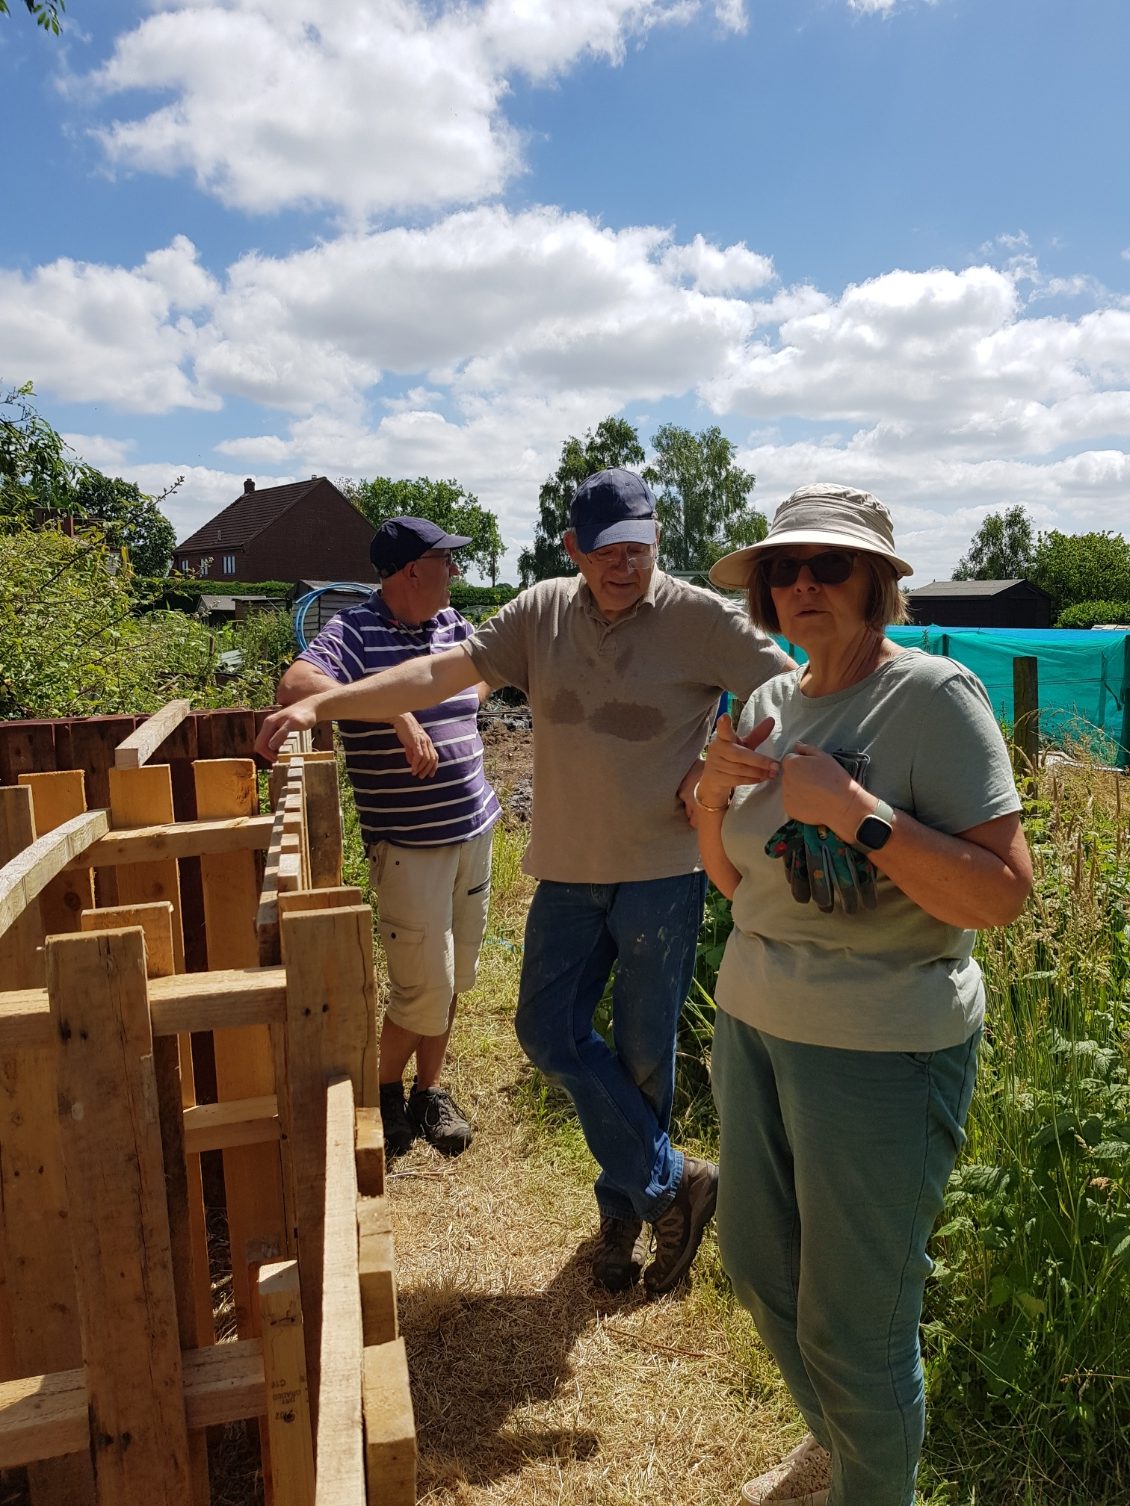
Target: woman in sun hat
x: 864, y: 821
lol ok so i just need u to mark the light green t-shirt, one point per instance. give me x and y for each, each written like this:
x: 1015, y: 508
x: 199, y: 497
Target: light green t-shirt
x: 892, y: 978
x: 621, y: 710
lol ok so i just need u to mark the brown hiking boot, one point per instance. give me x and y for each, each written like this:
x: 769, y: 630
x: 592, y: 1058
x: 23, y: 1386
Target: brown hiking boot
x: 620, y: 1252
x: 679, y: 1228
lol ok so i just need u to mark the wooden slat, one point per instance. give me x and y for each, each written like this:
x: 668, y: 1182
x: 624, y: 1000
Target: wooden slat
x: 390, y: 1427
x: 183, y: 1192
x: 370, y: 1152
x: 331, y: 1031
x: 120, y: 1226
x: 289, y: 1425
x: 340, y: 898
x: 196, y: 1001
x: 21, y: 946
x: 26, y: 876
x: 139, y: 747
x: 43, y: 1416
x: 227, y: 788
x: 222, y: 1126
x: 39, y: 1283
x: 376, y: 1261
x: 55, y: 799
x: 26, y: 747
x: 338, y: 1419
x: 141, y: 797
x: 182, y: 839
x: 323, y: 823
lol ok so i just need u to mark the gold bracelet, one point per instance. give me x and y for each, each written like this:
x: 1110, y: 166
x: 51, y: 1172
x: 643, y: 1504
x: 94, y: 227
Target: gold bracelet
x: 702, y: 805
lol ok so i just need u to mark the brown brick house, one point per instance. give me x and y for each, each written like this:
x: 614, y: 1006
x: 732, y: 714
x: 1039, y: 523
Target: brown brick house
x: 291, y: 532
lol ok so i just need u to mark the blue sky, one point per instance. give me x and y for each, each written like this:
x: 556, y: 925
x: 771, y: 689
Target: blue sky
x: 877, y: 241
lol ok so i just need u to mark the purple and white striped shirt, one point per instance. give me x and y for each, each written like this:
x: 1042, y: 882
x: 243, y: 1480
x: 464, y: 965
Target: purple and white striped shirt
x: 457, y: 803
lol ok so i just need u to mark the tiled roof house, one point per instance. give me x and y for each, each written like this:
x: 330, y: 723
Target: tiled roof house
x: 291, y: 532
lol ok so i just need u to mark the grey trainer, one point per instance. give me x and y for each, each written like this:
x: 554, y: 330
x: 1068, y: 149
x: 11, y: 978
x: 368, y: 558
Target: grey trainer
x: 679, y: 1228
x: 398, y: 1128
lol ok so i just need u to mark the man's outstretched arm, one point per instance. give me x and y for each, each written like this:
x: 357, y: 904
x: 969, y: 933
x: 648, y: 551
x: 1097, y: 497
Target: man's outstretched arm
x: 378, y: 698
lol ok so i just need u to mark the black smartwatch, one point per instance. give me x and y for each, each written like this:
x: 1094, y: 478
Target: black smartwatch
x: 874, y: 831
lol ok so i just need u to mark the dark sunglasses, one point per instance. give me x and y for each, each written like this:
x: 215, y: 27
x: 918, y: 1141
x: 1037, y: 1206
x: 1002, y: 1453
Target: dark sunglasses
x: 831, y: 568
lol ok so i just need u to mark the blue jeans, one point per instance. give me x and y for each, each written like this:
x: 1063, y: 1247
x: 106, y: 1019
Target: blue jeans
x: 832, y: 1171
x: 622, y: 1094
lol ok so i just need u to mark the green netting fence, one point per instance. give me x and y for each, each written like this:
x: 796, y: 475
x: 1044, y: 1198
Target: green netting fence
x: 1084, y: 678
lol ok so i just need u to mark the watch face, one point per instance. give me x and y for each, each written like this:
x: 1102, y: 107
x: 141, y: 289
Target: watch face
x: 873, y: 833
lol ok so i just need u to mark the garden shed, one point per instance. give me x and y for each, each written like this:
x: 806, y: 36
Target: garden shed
x: 981, y: 603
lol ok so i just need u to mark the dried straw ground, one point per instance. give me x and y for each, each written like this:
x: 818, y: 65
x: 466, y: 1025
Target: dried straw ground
x: 530, y: 1384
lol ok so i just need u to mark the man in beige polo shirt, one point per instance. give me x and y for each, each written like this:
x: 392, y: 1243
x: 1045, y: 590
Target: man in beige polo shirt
x: 623, y: 666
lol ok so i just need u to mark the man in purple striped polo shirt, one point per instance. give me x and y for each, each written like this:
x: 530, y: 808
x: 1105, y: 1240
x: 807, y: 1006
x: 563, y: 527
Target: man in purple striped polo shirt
x: 426, y: 813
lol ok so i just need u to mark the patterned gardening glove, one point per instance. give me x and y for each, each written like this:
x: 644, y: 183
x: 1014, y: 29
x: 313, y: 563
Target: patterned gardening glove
x: 818, y: 865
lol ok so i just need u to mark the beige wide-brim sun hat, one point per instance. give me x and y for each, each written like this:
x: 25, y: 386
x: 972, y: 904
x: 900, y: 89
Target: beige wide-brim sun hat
x: 822, y: 513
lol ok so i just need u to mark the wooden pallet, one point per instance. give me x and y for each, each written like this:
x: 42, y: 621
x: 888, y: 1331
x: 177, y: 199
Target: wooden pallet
x: 109, y: 1368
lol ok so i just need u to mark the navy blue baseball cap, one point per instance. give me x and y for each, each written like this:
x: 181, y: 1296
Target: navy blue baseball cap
x: 613, y: 507
x: 399, y: 541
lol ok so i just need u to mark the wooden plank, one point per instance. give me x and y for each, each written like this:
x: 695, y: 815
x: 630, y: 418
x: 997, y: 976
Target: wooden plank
x: 337, y: 1384
x: 183, y: 1192
x: 370, y: 1152
x: 41, y: 1327
x: 42, y: 1416
x: 156, y: 922
x: 222, y: 1126
x: 198, y: 1001
x: 376, y: 1263
x: 182, y: 839
x: 225, y: 734
x: 227, y: 788
x: 139, y: 747
x: 141, y: 797
x: 331, y: 1031
x: 27, y: 875
x: 56, y: 798
x: 323, y: 823
x: 89, y: 744
x: 390, y: 1426
x: 21, y: 946
x: 288, y: 1397
x: 27, y: 747
x: 120, y: 1227
x: 340, y: 898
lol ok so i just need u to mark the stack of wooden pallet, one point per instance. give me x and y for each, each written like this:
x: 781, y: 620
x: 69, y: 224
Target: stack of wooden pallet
x: 120, y: 1070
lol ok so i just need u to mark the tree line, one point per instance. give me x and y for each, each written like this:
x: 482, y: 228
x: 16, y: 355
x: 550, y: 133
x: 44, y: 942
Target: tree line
x: 1087, y: 575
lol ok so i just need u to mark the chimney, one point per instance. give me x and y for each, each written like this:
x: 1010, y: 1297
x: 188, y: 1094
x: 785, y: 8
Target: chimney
x: 248, y: 486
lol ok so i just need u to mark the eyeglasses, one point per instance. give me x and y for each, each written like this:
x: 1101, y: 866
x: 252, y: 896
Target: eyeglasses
x: 437, y: 554
x: 831, y: 568
x: 642, y: 558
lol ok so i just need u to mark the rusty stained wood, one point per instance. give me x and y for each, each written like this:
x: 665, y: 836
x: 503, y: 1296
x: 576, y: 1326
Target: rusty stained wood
x: 115, y: 1176
x: 139, y: 747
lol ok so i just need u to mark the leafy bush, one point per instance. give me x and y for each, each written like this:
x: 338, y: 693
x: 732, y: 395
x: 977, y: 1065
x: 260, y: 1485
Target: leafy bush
x: 1086, y: 614
x: 73, y: 642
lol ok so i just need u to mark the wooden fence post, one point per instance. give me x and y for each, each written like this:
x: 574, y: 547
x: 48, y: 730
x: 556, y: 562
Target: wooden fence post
x: 120, y: 1226
x: 1026, y: 717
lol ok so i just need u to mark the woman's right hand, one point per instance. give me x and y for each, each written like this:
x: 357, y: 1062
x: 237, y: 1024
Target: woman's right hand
x: 731, y: 761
